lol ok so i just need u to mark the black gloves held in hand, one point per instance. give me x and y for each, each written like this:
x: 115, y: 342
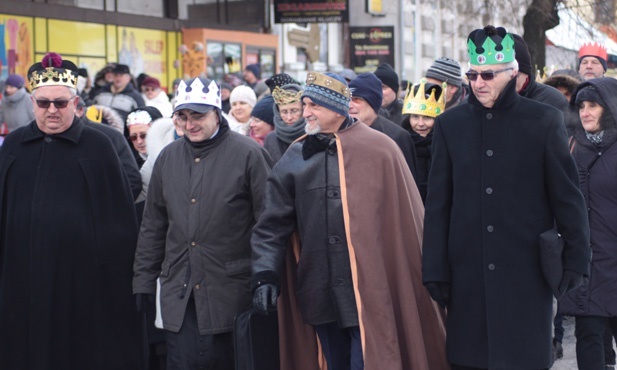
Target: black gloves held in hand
x: 569, y: 281
x: 440, y: 292
x: 265, y: 296
x: 144, y: 302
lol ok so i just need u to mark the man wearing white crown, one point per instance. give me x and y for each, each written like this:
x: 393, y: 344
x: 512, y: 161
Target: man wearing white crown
x: 67, y: 238
x: 501, y: 175
x: 204, y: 197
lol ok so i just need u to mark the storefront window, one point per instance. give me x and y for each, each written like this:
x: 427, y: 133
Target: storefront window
x: 223, y: 58
x: 265, y: 58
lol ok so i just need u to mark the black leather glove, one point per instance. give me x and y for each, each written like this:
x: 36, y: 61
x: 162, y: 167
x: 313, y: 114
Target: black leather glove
x: 569, y: 281
x: 264, y: 296
x: 144, y: 301
x: 440, y: 292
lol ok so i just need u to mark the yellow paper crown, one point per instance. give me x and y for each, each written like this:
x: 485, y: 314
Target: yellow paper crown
x: 420, y: 105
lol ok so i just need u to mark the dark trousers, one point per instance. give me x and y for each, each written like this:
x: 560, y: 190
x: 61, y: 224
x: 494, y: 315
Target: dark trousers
x: 558, y: 323
x: 187, y: 350
x: 609, y: 353
x: 590, y: 351
x: 342, y: 347
x: 459, y: 367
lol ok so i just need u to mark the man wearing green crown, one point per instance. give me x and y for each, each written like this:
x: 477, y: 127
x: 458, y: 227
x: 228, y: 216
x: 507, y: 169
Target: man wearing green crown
x: 501, y: 175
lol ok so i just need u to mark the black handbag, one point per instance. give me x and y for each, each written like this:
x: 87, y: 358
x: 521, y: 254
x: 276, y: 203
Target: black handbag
x: 551, y: 259
x: 256, y: 341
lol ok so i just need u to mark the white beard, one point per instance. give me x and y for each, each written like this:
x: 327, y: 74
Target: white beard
x: 312, y: 131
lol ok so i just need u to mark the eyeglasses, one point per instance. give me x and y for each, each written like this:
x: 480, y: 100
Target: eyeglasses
x: 59, y: 104
x: 486, y: 76
x: 197, y: 118
x: 292, y: 112
x: 141, y: 135
x: 149, y: 89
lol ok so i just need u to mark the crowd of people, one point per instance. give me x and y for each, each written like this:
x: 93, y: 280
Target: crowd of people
x: 387, y: 225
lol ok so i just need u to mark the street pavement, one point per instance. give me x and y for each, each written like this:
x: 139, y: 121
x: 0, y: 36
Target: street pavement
x: 568, y: 362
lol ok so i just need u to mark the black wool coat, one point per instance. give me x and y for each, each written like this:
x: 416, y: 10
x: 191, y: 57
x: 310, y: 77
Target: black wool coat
x: 67, y: 241
x: 500, y: 177
x: 400, y: 137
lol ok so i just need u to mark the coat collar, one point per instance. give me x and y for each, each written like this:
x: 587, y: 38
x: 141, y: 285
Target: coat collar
x: 506, y: 99
x: 33, y: 133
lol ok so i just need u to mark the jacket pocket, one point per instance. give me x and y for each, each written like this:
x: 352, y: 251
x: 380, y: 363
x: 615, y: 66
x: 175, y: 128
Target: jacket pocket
x: 238, y: 267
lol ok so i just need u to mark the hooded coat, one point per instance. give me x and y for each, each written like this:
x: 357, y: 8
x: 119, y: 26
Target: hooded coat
x: 597, y: 169
x: 67, y: 240
x: 16, y: 110
x: 499, y: 178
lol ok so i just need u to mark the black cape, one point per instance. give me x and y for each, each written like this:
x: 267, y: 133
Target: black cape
x: 67, y: 238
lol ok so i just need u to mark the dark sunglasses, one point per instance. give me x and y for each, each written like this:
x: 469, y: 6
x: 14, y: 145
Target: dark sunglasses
x: 486, y: 76
x: 141, y: 135
x: 57, y: 103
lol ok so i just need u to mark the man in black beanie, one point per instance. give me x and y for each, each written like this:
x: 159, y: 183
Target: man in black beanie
x: 366, y: 98
x: 526, y: 84
x: 391, y: 106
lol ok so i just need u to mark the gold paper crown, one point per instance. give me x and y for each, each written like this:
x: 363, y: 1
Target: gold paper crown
x: 283, y: 97
x: 319, y: 79
x: 53, y: 71
x: 422, y: 106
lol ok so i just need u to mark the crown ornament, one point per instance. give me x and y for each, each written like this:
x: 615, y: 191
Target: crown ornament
x: 53, y: 71
x: 283, y: 97
x: 490, y: 46
x: 593, y: 49
x: 420, y: 105
x: 328, y: 82
x: 198, y: 93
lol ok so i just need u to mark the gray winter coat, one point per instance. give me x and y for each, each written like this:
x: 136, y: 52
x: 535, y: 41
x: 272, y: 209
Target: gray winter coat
x: 16, y: 110
x: 201, y: 207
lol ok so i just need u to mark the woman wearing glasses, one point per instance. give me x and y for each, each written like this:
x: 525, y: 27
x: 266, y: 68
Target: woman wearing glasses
x: 138, y: 123
x: 288, y: 120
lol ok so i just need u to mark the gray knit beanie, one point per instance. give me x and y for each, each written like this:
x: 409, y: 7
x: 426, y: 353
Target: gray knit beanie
x: 446, y: 70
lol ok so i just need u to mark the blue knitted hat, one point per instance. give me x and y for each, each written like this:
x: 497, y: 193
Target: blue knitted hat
x: 368, y: 87
x: 328, y: 90
x: 264, y: 110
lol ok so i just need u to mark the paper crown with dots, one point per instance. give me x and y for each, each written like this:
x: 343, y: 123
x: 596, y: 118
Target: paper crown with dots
x: 198, y: 93
x: 490, y: 45
x: 53, y: 71
x: 422, y: 105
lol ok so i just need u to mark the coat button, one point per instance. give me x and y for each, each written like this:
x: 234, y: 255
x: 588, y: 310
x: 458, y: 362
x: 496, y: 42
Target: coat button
x: 491, y: 266
x: 489, y: 116
x: 197, y: 160
x: 48, y: 139
x: 193, y: 244
x: 193, y: 200
x: 330, y: 193
x: 489, y: 191
x: 489, y: 153
x: 332, y: 240
x: 490, y: 228
x: 197, y: 286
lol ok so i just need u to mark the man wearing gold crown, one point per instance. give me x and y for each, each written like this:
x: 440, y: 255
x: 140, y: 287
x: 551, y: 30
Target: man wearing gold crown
x: 501, y: 175
x: 353, y: 278
x: 67, y: 238
x: 204, y: 197
x: 592, y: 59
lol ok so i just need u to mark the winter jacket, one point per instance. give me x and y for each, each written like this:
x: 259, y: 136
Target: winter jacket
x: 203, y: 201
x: 545, y: 94
x: 597, y: 169
x: 400, y: 137
x: 423, y: 160
x: 160, y: 102
x: 393, y: 112
x: 123, y: 102
x: 499, y: 178
x: 16, y: 110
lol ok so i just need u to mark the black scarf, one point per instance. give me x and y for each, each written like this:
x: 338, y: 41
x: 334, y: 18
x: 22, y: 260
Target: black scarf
x: 314, y: 144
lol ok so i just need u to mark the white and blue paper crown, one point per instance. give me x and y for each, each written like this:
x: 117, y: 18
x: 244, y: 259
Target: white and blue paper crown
x: 198, y: 93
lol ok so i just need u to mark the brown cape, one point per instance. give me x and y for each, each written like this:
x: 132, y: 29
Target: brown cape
x: 401, y: 327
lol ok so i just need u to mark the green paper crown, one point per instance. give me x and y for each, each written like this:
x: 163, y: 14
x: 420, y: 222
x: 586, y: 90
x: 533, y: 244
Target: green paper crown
x: 490, y: 55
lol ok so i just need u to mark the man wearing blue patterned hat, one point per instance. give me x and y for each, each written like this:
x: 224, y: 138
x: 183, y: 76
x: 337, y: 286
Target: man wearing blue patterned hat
x: 204, y: 197
x: 67, y: 238
x: 501, y: 175
x: 351, y: 279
